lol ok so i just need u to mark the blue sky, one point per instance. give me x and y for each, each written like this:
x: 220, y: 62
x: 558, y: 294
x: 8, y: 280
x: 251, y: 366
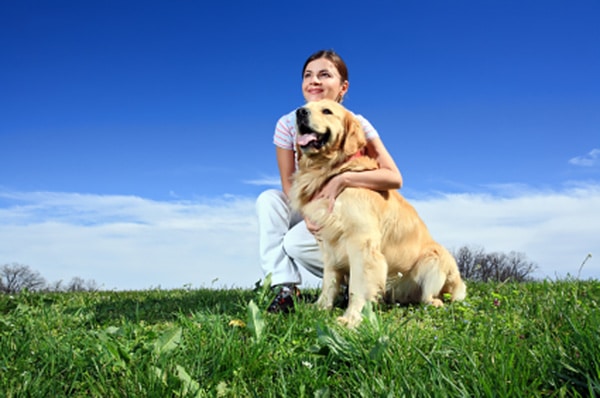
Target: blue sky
x: 135, y: 136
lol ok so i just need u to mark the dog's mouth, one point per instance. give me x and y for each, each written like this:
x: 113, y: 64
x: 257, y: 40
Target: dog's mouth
x: 309, y: 138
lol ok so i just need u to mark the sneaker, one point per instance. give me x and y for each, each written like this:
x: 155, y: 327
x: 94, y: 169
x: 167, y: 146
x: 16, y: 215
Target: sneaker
x: 344, y: 297
x: 284, y: 300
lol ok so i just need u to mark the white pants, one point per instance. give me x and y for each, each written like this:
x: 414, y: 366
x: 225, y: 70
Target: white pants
x: 284, y: 241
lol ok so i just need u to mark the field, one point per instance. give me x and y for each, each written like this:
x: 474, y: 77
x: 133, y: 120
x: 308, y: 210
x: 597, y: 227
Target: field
x: 506, y: 340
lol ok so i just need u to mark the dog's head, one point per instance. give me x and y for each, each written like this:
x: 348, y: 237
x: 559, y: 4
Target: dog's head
x: 328, y: 130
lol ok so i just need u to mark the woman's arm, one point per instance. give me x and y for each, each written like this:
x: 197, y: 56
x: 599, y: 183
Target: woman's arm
x: 385, y: 178
x: 286, y: 162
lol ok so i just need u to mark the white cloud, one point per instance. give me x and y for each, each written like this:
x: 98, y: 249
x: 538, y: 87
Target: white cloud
x: 555, y: 229
x: 266, y: 181
x: 127, y: 242
x: 131, y: 243
x: 592, y: 158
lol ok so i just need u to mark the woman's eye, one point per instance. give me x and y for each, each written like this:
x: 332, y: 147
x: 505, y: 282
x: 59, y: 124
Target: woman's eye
x: 327, y: 111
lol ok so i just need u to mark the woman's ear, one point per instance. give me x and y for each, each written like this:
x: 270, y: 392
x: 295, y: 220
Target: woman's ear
x: 344, y: 90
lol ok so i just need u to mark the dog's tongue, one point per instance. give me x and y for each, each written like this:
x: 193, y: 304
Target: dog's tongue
x: 305, y: 139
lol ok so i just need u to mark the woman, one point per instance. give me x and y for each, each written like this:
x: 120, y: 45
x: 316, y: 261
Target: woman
x: 286, y: 240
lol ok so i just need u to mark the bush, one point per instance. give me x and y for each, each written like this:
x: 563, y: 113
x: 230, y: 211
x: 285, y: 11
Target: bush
x: 16, y: 277
x: 476, y: 265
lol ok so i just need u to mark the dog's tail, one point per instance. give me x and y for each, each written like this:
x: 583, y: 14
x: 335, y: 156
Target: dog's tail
x: 455, y: 286
x: 459, y: 290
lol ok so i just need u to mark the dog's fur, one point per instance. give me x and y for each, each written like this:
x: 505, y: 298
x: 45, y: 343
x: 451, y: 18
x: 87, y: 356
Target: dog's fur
x: 375, y: 239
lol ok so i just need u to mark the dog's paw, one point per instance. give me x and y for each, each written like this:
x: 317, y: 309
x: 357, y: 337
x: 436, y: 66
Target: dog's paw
x: 323, y: 304
x: 437, y: 303
x: 349, y: 320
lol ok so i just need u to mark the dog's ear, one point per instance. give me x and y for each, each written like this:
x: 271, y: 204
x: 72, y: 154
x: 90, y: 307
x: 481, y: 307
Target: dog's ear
x: 355, y: 136
x: 298, y: 153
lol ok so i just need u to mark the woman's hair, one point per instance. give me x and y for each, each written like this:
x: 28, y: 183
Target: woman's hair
x: 334, y: 58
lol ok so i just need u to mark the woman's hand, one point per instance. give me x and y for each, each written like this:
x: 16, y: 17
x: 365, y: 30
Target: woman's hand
x: 312, y: 227
x: 331, y: 190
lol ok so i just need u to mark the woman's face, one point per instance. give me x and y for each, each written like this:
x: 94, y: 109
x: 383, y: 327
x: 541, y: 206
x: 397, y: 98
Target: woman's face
x: 322, y: 80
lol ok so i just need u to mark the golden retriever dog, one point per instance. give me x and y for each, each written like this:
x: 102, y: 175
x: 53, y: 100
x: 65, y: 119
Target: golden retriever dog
x: 373, y: 239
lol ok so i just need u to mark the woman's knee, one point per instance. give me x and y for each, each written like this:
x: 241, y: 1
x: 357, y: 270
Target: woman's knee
x: 269, y: 198
x: 291, y: 246
x: 298, y: 243
x: 302, y: 248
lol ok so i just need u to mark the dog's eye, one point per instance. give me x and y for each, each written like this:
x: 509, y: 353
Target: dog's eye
x: 327, y: 112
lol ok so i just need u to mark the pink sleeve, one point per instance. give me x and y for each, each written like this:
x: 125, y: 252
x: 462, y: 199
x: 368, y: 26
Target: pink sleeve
x: 283, y: 137
x: 368, y: 128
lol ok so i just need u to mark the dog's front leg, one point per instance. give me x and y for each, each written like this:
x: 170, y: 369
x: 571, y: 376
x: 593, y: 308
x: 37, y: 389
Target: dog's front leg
x: 357, y: 299
x: 331, y: 284
x: 368, y: 271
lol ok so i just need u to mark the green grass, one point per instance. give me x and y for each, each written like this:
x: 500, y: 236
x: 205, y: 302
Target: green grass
x: 534, y: 339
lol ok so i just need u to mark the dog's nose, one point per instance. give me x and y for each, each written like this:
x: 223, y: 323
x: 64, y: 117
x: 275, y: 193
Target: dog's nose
x: 302, y: 113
